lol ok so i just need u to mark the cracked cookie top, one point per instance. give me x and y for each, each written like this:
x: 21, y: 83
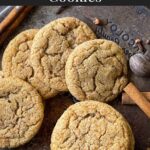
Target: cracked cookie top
x: 21, y: 112
x: 96, y: 70
x: 92, y: 125
x: 50, y: 50
x: 15, y: 60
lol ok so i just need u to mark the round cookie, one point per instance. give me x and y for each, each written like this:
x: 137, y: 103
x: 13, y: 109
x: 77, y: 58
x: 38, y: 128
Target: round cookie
x: 15, y: 60
x: 92, y: 125
x: 96, y: 70
x: 21, y: 112
x: 50, y: 50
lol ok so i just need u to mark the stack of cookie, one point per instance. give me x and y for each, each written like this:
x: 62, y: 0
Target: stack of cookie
x: 63, y: 56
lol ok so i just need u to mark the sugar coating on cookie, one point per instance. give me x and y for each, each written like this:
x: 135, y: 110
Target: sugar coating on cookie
x: 21, y: 112
x: 96, y: 70
x: 92, y: 125
x: 50, y: 50
x: 15, y: 60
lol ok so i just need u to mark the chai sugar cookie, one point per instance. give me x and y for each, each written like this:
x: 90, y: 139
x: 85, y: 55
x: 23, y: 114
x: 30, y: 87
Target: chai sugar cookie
x: 51, y: 47
x: 96, y: 70
x: 92, y: 125
x: 15, y: 60
x: 21, y: 112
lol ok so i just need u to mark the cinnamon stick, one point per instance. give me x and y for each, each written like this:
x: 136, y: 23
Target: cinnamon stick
x: 127, y: 100
x: 10, y: 18
x: 5, y: 12
x: 15, y: 24
x: 138, y: 98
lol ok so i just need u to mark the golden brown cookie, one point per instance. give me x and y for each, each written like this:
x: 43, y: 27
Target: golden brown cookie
x: 15, y: 60
x: 96, y: 70
x: 50, y: 50
x: 1, y: 74
x: 92, y: 125
x: 21, y: 112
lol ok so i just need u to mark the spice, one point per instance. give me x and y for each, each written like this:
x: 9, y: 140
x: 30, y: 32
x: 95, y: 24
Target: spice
x: 61, y: 9
x: 97, y: 21
x: 15, y: 12
x: 127, y: 100
x: 139, y: 63
x: 15, y: 24
x: 100, y: 22
x: 147, y: 42
x: 139, y: 43
x: 138, y: 98
x: 5, y: 12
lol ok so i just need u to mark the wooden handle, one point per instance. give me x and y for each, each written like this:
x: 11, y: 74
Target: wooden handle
x: 10, y: 18
x: 138, y: 98
x: 15, y: 24
x: 127, y: 100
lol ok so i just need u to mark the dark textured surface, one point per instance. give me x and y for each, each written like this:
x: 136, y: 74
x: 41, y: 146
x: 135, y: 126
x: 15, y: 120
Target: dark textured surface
x: 125, y: 24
